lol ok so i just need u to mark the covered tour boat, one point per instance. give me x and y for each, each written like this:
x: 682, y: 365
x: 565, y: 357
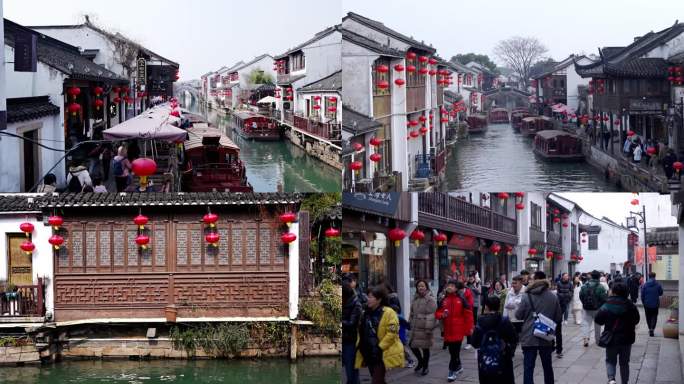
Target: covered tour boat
x: 253, y: 126
x: 516, y: 118
x: 498, y: 116
x: 533, y: 124
x: 212, y: 162
x: 477, y: 123
x: 558, y: 146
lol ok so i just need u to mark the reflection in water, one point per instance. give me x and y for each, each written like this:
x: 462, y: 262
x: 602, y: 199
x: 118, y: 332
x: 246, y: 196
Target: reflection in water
x: 502, y: 160
x: 305, y: 371
x: 270, y: 163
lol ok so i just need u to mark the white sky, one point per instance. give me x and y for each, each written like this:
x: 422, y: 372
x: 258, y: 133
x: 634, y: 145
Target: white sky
x: 616, y: 206
x: 565, y: 27
x: 199, y: 35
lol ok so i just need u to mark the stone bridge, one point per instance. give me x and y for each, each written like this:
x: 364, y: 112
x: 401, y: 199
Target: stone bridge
x: 506, y: 97
x: 180, y: 89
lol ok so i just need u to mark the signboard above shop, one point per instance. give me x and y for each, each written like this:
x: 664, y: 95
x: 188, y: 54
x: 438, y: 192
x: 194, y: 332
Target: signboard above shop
x: 381, y: 203
x: 141, y: 71
x: 25, y: 52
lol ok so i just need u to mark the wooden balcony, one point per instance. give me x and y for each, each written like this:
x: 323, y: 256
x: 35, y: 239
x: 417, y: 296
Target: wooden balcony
x: 327, y: 131
x: 553, y: 241
x: 27, y: 301
x: 537, y: 237
x: 448, y: 213
x: 382, y: 106
x: 415, y: 98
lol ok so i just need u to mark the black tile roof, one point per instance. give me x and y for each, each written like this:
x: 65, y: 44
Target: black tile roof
x: 378, y: 26
x: 29, y: 108
x: 663, y: 236
x: 19, y: 203
x: 372, y: 45
x: 254, y: 60
x: 282, y: 80
x: 63, y: 57
x: 316, y: 37
x: 356, y: 123
x: 331, y: 83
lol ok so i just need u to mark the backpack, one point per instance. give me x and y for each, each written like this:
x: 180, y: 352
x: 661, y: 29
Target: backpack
x: 490, y: 356
x: 117, y: 168
x: 588, y: 296
x: 74, y: 184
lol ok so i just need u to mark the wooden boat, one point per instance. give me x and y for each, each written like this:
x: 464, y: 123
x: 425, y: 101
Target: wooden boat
x: 498, y: 116
x: 477, y: 123
x: 212, y: 162
x: 517, y: 117
x: 558, y: 146
x: 533, y: 124
x: 253, y: 126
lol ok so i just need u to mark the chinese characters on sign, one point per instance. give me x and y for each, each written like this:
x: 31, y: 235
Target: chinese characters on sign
x: 141, y: 71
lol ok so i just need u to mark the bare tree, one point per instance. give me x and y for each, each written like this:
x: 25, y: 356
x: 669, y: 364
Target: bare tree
x: 520, y: 53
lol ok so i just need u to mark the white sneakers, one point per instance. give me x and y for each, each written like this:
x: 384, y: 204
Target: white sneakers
x: 468, y: 346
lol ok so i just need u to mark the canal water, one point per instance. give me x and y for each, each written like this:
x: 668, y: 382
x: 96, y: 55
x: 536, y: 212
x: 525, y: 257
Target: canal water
x: 503, y: 160
x: 305, y: 371
x: 270, y: 163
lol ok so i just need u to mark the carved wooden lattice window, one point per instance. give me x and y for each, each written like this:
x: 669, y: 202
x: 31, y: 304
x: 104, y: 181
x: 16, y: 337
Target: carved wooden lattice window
x: 197, y: 244
x: 105, y: 244
x: 265, y: 245
x: 91, y: 247
x: 378, y: 77
x: 250, y: 246
x: 224, y: 246
x: 159, y: 242
x: 76, y: 247
x: 181, y: 245
x: 132, y: 247
x: 118, y: 251
x: 236, y: 244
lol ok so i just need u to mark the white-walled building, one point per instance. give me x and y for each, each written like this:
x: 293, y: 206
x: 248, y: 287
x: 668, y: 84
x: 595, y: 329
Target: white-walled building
x: 606, y: 245
x: 240, y: 84
x: 561, y: 83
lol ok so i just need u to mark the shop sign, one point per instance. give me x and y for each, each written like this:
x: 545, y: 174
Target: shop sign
x: 464, y: 242
x: 25, y: 52
x: 384, y: 203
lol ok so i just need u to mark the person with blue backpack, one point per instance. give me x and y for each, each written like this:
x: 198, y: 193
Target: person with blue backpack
x: 496, y: 339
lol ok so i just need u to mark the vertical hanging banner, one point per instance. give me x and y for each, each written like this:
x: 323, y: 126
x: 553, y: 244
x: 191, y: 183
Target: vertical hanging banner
x: 652, y: 256
x: 25, y: 56
x: 141, y: 71
x: 639, y: 255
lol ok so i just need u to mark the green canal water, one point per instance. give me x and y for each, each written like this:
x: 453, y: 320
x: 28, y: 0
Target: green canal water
x: 304, y: 371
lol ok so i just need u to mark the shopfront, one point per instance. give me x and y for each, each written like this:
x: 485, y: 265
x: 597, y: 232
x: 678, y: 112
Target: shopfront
x: 368, y: 255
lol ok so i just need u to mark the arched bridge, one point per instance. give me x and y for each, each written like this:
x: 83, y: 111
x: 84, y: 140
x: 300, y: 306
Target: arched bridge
x: 180, y: 89
x: 506, y: 97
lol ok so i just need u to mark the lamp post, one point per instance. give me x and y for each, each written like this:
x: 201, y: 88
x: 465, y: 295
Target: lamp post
x: 631, y: 223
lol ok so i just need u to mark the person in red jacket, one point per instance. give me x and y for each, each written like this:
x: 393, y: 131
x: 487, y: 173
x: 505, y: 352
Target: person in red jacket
x: 456, y: 314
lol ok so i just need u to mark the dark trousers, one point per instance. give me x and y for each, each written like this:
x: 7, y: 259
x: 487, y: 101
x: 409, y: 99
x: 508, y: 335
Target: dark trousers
x: 121, y: 183
x: 423, y: 356
x: 564, y: 308
x: 651, y: 317
x: 612, y: 353
x: 529, y: 360
x: 455, y: 353
x: 348, y: 359
x: 559, y: 337
x: 634, y: 295
x: 469, y: 338
x: 377, y: 373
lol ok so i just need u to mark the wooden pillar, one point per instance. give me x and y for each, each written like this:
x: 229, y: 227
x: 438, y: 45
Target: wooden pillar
x: 88, y: 110
x: 106, y: 111
x: 612, y: 151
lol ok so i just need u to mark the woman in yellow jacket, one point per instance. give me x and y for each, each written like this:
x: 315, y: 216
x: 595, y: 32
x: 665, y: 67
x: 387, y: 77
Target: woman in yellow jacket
x: 379, y: 346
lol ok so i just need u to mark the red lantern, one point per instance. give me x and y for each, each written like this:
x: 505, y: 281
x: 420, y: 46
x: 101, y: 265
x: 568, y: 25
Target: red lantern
x: 651, y: 150
x: 117, y: 100
x: 414, y: 134
x: 532, y: 252
x: 288, y: 237
x: 358, y: 147
x: 423, y: 71
x: 410, y: 68
x: 509, y: 250
x: 56, y: 241
x: 332, y: 232
x: 317, y: 107
x: 212, y: 238
x: 399, y: 82
x: 356, y: 166
x: 423, y: 130
x: 495, y: 248
x: 502, y: 196
x: 565, y: 225
x: 413, y: 123
x: 423, y: 59
x: 383, y: 84
x: 27, y: 228
x: 98, y: 91
x: 55, y: 222
x: 556, y: 212
x: 375, y: 142
x: 556, y: 219
x: 74, y: 108
x: 520, y: 194
x: 410, y: 55
x: 316, y: 98
x: 432, y: 72
x: 616, y: 122
x: 399, y: 68
x: 144, y: 168
x: 74, y: 91
x: 444, y: 119
x: 288, y: 218
x: 634, y: 202
x: 432, y: 61
x: 417, y: 236
x: 116, y: 89
x: 382, y: 68
x: 396, y: 235
x: 332, y: 109
x: 630, y: 133
x: 559, y: 257
x: 27, y: 246
x: 98, y: 103
x: 210, y: 219
x: 140, y: 221
x: 175, y: 113
x: 422, y: 118
x: 549, y: 254
x: 142, y: 241
x: 375, y: 157
x: 677, y: 165
x: 440, y: 238
x: 520, y: 206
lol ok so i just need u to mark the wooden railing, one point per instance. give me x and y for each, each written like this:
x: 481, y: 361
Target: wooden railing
x: 452, y: 208
x: 288, y: 116
x: 28, y: 300
x: 328, y: 131
x: 536, y: 236
x: 553, y: 238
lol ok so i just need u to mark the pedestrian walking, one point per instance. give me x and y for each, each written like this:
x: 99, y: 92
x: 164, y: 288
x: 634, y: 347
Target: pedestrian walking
x: 650, y: 297
x: 78, y: 177
x: 604, y: 282
x: 668, y: 160
x: 394, y: 303
x: 619, y: 316
x: 121, y: 169
x: 496, y: 339
x: 512, y: 302
x: 565, y: 290
x: 540, y: 312
x: 503, y: 280
x: 457, y: 316
x: 475, y: 288
x: 353, y: 283
x: 633, y: 285
x: 351, y: 313
x: 525, y: 277
x: 379, y: 347
x: 592, y: 295
x: 423, y: 323
x: 499, y: 291
x: 577, y: 310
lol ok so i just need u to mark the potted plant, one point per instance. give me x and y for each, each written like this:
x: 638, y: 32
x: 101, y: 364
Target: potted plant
x: 671, y: 327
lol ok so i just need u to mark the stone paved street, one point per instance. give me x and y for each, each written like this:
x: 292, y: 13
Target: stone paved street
x: 654, y: 360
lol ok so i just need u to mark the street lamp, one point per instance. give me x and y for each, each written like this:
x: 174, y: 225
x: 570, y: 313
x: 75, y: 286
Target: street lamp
x: 631, y: 223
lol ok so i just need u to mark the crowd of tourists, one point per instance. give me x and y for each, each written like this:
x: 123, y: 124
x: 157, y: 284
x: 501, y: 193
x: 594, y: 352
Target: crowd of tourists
x: 494, y: 319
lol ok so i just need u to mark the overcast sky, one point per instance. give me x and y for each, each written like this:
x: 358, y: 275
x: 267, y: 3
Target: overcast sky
x: 616, y: 206
x: 564, y: 27
x: 200, y: 35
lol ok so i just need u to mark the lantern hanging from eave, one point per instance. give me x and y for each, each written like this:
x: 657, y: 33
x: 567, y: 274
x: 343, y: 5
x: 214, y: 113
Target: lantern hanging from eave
x: 375, y: 142
x: 142, y: 241
x: 423, y: 71
x: 210, y: 219
x: 432, y: 72
x: 98, y: 104
x: 375, y: 157
x: 410, y: 68
x: 414, y: 134
x: 413, y: 123
x: 288, y: 218
x: 440, y: 238
x: 556, y: 220
x: 212, y: 238
x: 382, y: 68
x: 559, y: 257
x: 396, y: 235
x: 116, y: 89
x: 55, y: 222
x: 432, y: 61
x: 56, y: 241
x: 73, y: 92
x: 634, y: 202
x: 27, y: 228
x: 74, y: 108
x: 383, y: 84
x: 549, y: 255
x: 317, y: 98
x: 503, y: 197
x: 140, y: 221
x: 288, y: 237
x: 356, y: 166
x: 144, y: 168
x: 332, y: 232
x: 495, y: 248
x: 677, y: 165
x: 357, y: 147
x: 27, y: 247
x: 399, y: 82
x: 410, y: 55
x: 532, y: 252
x: 519, y: 206
x: 98, y: 91
x: 399, y: 68
x: 423, y: 130
x: 417, y: 236
x: 316, y: 107
x: 423, y: 59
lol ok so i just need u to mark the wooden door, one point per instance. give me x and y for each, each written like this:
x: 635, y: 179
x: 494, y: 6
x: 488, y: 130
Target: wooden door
x: 20, y: 264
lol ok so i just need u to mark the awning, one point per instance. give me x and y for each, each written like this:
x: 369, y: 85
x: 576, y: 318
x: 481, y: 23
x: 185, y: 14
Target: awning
x: 152, y: 124
x: 267, y: 100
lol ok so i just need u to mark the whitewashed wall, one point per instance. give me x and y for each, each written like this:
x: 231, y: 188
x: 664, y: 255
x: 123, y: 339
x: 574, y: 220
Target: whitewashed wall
x: 612, y: 246
x: 572, y: 81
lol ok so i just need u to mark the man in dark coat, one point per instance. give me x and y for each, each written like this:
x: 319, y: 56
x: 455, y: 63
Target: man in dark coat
x: 492, y: 320
x: 351, y: 313
x: 633, y: 286
x: 650, y: 297
x: 565, y: 291
x: 619, y: 316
